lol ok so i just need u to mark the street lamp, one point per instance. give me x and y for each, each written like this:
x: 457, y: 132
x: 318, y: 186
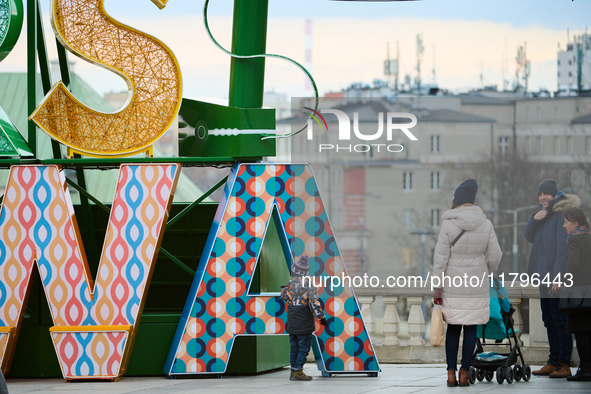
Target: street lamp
x: 514, y: 212
x: 423, y: 233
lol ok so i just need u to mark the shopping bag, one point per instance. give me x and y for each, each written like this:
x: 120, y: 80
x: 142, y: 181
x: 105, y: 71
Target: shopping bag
x: 437, y: 327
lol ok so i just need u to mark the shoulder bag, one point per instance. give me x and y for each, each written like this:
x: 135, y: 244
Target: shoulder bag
x: 575, y: 299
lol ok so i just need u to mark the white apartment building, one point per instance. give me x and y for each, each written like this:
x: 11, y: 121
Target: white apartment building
x: 577, y: 51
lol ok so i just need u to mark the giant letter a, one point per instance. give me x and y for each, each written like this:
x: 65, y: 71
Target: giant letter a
x: 94, y: 323
x: 220, y: 306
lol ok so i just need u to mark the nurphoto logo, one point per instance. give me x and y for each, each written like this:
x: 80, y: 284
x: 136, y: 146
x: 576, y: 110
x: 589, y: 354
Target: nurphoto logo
x: 396, y: 124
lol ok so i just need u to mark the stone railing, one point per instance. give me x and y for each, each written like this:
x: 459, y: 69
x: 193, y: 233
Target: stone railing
x: 393, y: 344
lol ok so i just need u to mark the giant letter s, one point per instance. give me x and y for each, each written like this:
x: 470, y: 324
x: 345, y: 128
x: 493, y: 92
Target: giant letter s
x: 147, y: 65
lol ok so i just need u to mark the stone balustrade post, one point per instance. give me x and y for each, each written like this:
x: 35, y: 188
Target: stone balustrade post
x: 367, y: 313
x: 517, y: 318
x: 416, y: 322
x: 537, y: 332
x: 391, y: 322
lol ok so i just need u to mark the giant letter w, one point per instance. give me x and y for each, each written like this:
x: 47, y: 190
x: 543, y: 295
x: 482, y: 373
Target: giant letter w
x: 94, y: 323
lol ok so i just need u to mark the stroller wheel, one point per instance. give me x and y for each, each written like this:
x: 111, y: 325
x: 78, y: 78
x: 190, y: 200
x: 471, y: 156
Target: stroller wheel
x: 500, y: 374
x: 509, y: 375
x: 489, y: 375
x: 517, y: 372
x: 526, y: 373
x: 480, y: 375
x: 472, y: 375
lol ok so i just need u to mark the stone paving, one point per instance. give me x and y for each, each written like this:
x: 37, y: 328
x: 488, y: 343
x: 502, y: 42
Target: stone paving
x: 394, y: 378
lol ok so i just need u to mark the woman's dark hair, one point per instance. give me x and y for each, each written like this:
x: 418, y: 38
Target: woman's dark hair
x: 576, y: 215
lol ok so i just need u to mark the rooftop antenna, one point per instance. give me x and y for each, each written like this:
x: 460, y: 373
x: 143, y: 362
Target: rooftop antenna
x: 481, y: 74
x: 434, y: 76
x: 523, y: 66
x: 397, y: 66
x: 526, y: 71
x: 504, y: 68
x: 420, y: 51
x: 388, y: 62
x: 503, y: 72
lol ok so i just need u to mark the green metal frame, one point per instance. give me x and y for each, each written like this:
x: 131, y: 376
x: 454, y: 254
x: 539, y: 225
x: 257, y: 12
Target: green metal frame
x: 193, y: 220
x: 13, y: 12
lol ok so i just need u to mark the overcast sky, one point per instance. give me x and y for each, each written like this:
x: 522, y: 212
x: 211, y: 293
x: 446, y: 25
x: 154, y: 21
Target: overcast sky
x: 462, y: 38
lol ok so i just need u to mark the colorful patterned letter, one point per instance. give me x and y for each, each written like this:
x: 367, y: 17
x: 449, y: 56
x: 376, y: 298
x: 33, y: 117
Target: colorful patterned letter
x: 95, y: 324
x: 220, y: 307
x: 147, y: 65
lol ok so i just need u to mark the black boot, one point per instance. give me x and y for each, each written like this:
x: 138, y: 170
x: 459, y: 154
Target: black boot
x: 583, y: 374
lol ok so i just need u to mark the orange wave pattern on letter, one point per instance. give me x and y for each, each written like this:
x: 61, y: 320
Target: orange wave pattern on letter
x: 149, y: 68
x: 94, y: 324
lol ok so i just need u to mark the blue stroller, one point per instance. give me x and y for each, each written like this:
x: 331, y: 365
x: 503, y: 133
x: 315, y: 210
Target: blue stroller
x: 508, y: 366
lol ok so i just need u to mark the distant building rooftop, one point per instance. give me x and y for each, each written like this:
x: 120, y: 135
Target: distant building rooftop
x: 481, y: 100
x: 448, y: 115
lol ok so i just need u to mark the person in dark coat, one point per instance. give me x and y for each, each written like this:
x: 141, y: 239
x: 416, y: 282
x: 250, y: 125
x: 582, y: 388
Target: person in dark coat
x: 547, y: 262
x: 302, y: 305
x: 579, y: 265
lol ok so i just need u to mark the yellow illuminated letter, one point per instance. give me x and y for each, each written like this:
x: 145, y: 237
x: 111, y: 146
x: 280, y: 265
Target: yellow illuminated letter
x: 149, y: 68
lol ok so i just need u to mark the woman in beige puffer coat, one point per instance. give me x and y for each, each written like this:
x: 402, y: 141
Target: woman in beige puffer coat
x: 474, y: 255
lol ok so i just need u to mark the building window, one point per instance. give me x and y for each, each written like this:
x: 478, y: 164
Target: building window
x: 570, y: 74
x: 569, y: 62
x: 558, y: 74
x: 559, y: 62
x: 588, y: 145
x: 435, y: 217
x: 503, y: 145
x: 538, y: 144
x: 435, y: 141
x: 407, y: 181
x: 556, y: 145
x: 409, y: 218
x: 569, y: 145
x: 588, y: 180
x: 435, y: 180
x: 528, y: 145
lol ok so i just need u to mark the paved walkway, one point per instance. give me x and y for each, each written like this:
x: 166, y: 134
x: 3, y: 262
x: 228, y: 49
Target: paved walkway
x: 394, y: 378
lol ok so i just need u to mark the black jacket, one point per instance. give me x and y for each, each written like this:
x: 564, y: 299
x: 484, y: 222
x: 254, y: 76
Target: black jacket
x: 302, y: 305
x: 579, y: 265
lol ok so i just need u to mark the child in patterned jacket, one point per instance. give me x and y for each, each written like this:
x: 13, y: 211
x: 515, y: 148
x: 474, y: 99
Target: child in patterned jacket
x: 302, y: 305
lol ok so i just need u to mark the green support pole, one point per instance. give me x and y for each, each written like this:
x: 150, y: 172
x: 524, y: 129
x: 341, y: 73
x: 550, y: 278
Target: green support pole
x: 45, y: 70
x: 62, y: 55
x: 249, y: 37
x: 32, y: 71
x: 92, y: 249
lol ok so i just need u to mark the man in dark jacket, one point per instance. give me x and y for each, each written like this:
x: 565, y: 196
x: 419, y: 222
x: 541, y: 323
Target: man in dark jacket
x: 302, y: 305
x: 548, y: 261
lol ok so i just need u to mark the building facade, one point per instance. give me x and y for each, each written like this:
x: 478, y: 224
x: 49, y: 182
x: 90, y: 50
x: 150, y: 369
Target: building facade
x: 379, y: 199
